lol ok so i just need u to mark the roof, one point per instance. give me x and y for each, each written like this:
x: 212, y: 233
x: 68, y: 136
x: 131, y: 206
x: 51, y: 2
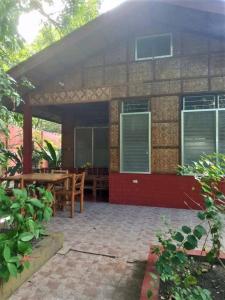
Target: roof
x: 111, y: 26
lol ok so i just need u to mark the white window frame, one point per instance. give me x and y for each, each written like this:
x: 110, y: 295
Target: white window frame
x: 153, y: 36
x: 217, y: 109
x: 149, y: 141
x: 92, y: 141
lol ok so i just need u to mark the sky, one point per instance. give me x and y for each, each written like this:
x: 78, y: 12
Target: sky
x: 30, y: 23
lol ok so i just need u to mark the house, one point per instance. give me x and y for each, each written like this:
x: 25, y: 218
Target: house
x: 139, y: 90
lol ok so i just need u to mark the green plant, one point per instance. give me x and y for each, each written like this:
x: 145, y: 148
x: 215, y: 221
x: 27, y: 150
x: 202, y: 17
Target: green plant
x: 24, y: 217
x: 86, y: 165
x: 13, y: 161
x: 175, y: 267
x: 50, y: 154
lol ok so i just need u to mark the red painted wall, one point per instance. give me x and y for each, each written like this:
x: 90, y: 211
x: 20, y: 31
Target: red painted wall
x: 154, y: 190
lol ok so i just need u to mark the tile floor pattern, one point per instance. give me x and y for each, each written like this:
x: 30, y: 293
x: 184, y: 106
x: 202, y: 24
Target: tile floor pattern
x: 104, y: 253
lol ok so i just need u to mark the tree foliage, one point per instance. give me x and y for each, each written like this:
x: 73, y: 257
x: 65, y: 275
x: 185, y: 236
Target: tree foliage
x: 13, y: 49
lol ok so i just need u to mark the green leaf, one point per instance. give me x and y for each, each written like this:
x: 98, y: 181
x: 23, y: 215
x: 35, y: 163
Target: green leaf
x: 201, y: 215
x: 31, y: 225
x: 12, y: 269
x: 208, y: 202
x: 24, y: 247
x: 178, y: 237
x: 182, y: 257
x: 192, y: 240
x: 47, y: 213
x: 199, y: 231
x: 6, y: 253
x: 171, y: 247
x: 188, y: 246
x: 186, y: 229
x: 13, y: 259
x: 26, y: 264
x: 26, y: 236
x: 35, y: 202
x: 15, y: 206
x: 4, y: 273
x: 149, y: 294
x: 190, y: 280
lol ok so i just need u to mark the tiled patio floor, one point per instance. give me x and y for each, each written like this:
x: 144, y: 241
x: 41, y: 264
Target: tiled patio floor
x: 104, y: 253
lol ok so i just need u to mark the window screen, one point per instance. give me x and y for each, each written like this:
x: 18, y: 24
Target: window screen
x: 83, y: 146
x: 135, y: 138
x: 199, y: 135
x: 92, y: 146
x: 153, y: 46
x: 203, y: 122
x: 135, y: 106
x: 101, y: 147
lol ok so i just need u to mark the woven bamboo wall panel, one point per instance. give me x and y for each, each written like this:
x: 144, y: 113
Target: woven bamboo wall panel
x: 218, y: 83
x: 165, y: 134
x: 74, y: 80
x: 165, y: 108
x: 114, y: 160
x: 75, y: 96
x: 114, y: 111
x: 165, y: 160
x: 166, y: 87
x: 195, y: 85
x: 194, y: 66
x: 119, y: 91
x: 115, y: 75
x: 93, y: 77
x: 114, y: 135
x: 95, y: 61
x: 141, y: 71
x: 217, y: 64
x: 141, y: 89
x: 194, y: 43
x: 117, y: 54
x: 167, y: 68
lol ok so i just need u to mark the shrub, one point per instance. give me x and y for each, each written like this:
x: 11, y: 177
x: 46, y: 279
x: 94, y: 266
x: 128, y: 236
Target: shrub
x: 24, y: 216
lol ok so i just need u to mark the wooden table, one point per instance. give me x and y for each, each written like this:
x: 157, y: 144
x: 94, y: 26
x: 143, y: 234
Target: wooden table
x: 48, y: 179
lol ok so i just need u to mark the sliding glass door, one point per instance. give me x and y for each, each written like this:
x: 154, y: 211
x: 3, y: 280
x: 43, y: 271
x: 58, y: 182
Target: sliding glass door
x: 91, y: 146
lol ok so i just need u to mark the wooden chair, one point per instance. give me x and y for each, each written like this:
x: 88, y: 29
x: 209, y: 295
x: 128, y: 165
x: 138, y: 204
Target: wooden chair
x: 101, y: 184
x: 68, y: 195
x: 66, y: 182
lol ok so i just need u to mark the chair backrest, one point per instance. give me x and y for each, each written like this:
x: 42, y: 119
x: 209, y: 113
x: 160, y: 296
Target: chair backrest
x: 79, y: 181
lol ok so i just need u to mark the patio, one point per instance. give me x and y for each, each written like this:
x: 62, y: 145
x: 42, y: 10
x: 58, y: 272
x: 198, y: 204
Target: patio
x: 104, y: 253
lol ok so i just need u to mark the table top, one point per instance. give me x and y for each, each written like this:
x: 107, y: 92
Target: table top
x: 40, y: 177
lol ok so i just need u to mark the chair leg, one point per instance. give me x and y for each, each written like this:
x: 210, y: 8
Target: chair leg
x: 72, y: 206
x: 81, y: 202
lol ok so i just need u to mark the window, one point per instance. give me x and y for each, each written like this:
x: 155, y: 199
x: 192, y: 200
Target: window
x: 203, y: 126
x: 135, y: 137
x: 91, y: 145
x: 155, y: 46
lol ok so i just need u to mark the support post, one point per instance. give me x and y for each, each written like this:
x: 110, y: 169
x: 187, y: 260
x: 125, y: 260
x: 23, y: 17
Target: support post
x: 27, y: 138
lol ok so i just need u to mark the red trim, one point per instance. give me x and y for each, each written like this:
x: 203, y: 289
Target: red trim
x: 149, y: 282
x: 27, y: 139
x: 154, y: 190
